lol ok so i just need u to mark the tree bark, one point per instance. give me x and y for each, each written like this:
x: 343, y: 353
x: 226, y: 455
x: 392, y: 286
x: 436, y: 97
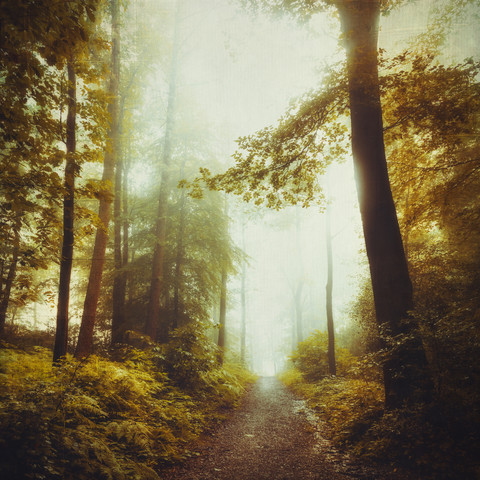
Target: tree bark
x: 85, y: 337
x: 332, y: 367
x: 156, y: 285
x: 300, y: 281
x: 126, y: 221
x: 12, y: 270
x: 223, y: 317
x: 299, y: 310
x: 66, y: 261
x: 243, y: 300
x: 405, y: 372
x: 179, y: 261
x: 119, y: 281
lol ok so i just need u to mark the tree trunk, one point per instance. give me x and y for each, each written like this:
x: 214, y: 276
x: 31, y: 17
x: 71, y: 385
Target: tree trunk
x: 405, y: 373
x: 85, y: 337
x: 179, y: 260
x: 66, y: 261
x: 243, y: 300
x: 12, y: 270
x: 126, y: 222
x: 300, y: 281
x: 299, y: 310
x: 35, y: 315
x: 223, y: 317
x: 119, y: 281
x: 156, y: 284
x: 126, y: 227
x: 332, y: 367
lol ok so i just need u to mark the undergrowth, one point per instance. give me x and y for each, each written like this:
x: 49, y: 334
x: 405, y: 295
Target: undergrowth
x: 103, y: 419
x: 439, y: 441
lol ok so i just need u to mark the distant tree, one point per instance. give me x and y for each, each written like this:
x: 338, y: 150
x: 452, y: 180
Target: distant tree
x: 290, y: 159
x: 243, y: 300
x: 179, y: 255
x: 157, y: 275
x: 222, y: 319
x: 222, y: 329
x: 332, y: 368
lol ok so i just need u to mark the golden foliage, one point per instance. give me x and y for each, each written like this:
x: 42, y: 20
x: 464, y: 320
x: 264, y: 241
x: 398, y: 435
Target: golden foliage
x: 99, y: 418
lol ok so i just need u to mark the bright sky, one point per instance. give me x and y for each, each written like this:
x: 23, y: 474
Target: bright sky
x: 244, y: 72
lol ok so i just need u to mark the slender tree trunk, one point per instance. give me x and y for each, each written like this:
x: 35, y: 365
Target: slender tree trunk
x: 293, y: 325
x: 405, y: 373
x: 223, y: 317
x: 35, y: 315
x: 131, y: 283
x: 120, y: 215
x: 12, y: 270
x: 126, y: 222
x: 299, y: 287
x: 179, y: 261
x: 119, y: 285
x: 406, y: 234
x: 2, y: 271
x: 156, y: 284
x: 126, y: 227
x: 299, y: 311
x: 66, y: 261
x: 243, y: 300
x: 332, y: 367
x: 223, y: 299
x: 85, y: 337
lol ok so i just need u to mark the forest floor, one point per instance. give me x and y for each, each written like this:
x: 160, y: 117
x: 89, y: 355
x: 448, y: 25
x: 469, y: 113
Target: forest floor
x: 274, y: 436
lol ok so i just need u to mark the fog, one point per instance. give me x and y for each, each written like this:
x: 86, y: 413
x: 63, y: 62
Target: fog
x: 238, y: 73
x: 242, y: 72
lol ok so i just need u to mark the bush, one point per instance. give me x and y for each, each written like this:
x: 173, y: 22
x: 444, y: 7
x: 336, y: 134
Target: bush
x: 190, y: 356
x: 100, y: 419
x: 347, y: 405
x: 435, y: 441
x: 311, y: 357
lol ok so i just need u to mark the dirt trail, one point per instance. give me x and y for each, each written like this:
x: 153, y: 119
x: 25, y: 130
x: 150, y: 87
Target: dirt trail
x: 271, y: 436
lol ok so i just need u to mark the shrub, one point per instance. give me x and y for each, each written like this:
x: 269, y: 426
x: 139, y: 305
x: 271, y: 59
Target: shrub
x: 311, y: 357
x: 189, y: 356
x: 100, y: 419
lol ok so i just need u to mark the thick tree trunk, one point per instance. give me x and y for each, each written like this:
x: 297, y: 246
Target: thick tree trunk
x: 405, y: 373
x: 332, y: 367
x: 66, y: 261
x: 7, y: 288
x: 85, y: 337
x: 156, y: 284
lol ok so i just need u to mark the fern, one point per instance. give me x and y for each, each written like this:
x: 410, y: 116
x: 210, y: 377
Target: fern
x: 103, y: 419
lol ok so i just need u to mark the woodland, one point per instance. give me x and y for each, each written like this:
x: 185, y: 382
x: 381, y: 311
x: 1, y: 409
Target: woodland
x: 138, y: 198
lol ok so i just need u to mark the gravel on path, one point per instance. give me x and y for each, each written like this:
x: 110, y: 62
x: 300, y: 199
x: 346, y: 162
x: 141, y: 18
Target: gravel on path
x: 273, y: 436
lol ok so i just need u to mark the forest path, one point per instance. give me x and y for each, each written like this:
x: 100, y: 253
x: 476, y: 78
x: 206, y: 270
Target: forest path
x: 273, y: 436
